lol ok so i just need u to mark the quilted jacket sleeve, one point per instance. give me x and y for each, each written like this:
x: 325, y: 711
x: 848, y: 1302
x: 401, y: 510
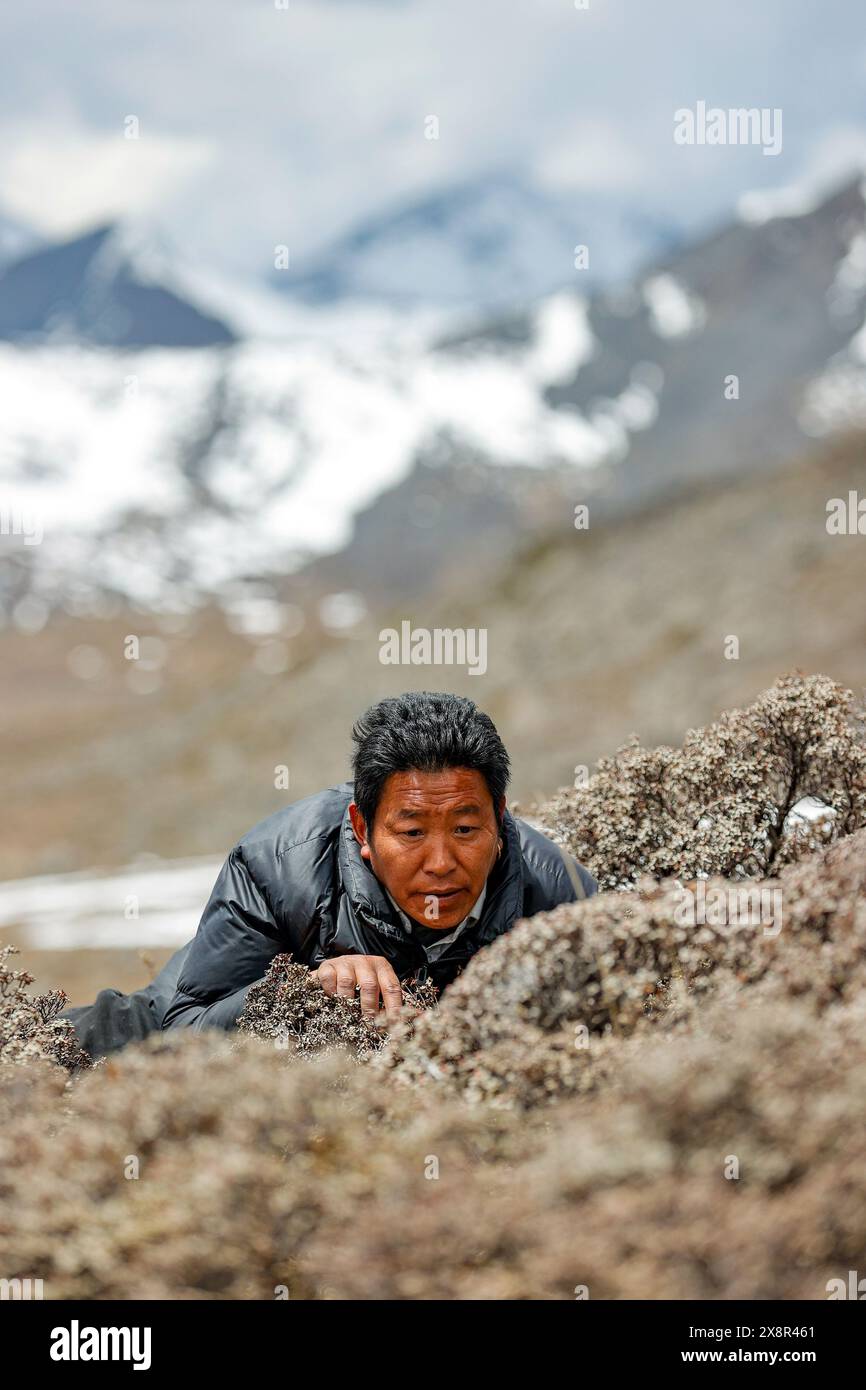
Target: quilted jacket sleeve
x: 236, y: 940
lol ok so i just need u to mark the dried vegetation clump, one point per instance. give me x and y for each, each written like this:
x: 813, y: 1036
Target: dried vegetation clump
x: 571, y: 984
x: 614, y: 1098
x: 290, y: 1009
x: 201, y: 1166
x: 726, y: 1163
x: 724, y: 802
x: 30, y: 1030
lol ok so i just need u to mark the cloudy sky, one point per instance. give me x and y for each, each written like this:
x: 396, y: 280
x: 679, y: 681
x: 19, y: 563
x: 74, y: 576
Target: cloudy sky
x: 260, y: 124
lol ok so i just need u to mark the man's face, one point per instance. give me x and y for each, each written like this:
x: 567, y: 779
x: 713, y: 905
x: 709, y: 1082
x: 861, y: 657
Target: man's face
x: 434, y: 841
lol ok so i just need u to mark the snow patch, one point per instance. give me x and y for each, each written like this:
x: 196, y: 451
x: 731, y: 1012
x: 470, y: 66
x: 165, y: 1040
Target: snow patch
x: 674, y: 311
x: 163, y: 473
x: 67, y: 912
x: 563, y: 340
x: 765, y: 205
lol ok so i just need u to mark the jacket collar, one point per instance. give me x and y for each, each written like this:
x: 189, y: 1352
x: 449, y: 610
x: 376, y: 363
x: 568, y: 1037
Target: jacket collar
x: 504, y: 902
x: 370, y: 902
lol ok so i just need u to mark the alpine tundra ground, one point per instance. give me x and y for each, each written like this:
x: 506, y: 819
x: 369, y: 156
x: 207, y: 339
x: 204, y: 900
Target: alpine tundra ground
x: 656, y: 1093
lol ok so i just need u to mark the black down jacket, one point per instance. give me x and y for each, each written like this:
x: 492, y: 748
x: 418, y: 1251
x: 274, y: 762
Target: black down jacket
x: 297, y: 883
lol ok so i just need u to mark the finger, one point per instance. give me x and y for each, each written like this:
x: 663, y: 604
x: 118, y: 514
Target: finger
x: 346, y: 980
x: 368, y: 981
x: 327, y: 977
x: 392, y: 994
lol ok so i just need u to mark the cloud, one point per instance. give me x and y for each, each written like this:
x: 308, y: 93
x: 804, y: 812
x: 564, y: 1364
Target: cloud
x: 60, y: 179
x: 593, y: 156
x: 263, y: 126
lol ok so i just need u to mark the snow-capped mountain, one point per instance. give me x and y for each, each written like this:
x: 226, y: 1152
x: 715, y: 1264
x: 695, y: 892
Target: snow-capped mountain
x: 480, y: 245
x: 729, y: 355
x: 169, y: 474
x: 106, y: 288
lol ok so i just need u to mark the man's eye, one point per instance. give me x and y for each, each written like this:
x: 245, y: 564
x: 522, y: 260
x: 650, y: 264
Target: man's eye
x: 468, y: 828
x: 411, y: 832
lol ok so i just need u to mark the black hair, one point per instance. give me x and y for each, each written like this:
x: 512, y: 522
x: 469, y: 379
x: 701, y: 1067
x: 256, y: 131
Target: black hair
x: 425, y: 731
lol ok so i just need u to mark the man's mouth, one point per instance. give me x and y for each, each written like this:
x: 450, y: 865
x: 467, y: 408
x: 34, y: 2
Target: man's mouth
x: 443, y: 894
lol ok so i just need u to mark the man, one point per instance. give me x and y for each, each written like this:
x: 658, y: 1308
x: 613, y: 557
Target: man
x: 402, y: 875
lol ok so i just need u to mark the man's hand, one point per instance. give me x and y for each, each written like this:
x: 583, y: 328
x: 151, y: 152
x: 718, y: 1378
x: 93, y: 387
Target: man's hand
x: 373, y: 974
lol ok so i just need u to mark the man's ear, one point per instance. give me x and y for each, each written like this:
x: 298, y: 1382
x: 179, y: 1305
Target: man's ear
x: 359, y: 826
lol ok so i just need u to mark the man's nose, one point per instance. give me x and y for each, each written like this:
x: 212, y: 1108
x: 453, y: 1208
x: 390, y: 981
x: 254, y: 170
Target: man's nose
x: 440, y: 858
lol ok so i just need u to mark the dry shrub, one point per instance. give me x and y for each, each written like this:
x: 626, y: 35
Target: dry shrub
x: 629, y: 1196
x: 30, y: 1030
x: 323, y: 1179
x: 722, y: 803
x: 240, y: 1158
x: 290, y: 1008
x: 592, y: 973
